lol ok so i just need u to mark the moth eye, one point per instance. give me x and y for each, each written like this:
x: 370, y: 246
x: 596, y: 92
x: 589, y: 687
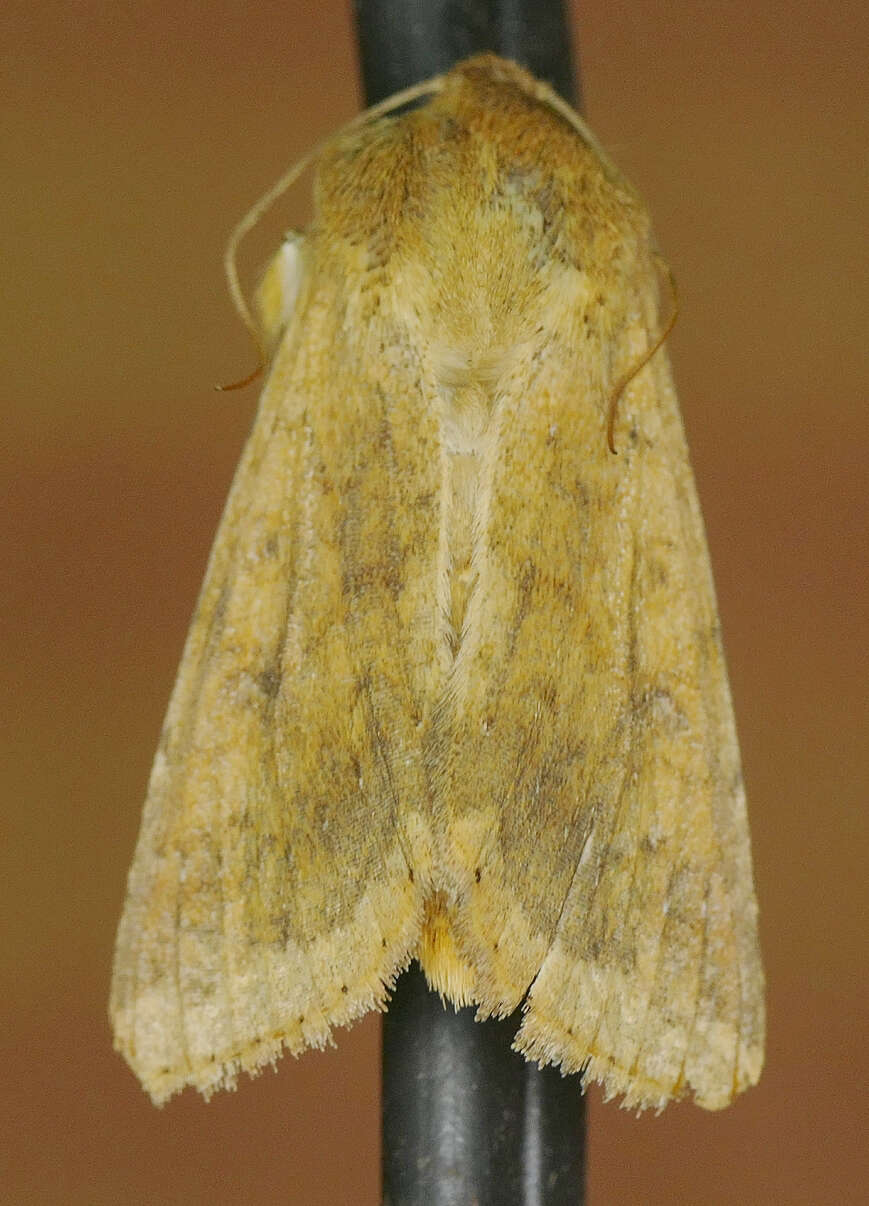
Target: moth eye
x: 279, y: 288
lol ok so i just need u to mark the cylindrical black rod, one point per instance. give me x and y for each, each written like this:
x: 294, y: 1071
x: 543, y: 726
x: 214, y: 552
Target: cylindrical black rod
x: 466, y: 1119
x: 404, y: 41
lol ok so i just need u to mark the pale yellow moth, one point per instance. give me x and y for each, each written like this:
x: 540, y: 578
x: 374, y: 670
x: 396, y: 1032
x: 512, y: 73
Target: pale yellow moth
x: 454, y: 688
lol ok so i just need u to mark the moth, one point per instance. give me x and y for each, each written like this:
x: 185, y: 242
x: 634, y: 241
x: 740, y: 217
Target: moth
x: 454, y: 689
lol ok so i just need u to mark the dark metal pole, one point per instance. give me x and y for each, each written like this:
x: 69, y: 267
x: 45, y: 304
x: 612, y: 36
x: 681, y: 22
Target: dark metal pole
x: 404, y: 41
x: 467, y: 1121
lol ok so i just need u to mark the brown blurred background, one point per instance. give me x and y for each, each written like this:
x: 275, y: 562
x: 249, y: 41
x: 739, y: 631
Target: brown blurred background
x: 135, y: 135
